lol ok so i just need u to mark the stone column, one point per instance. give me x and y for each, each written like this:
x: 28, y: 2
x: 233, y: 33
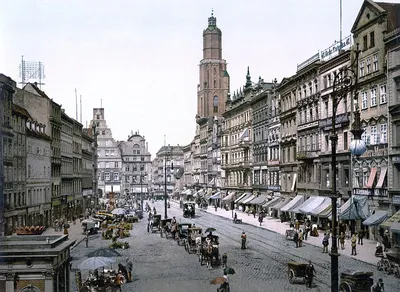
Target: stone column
x: 10, y: 278
x: 48, y: 281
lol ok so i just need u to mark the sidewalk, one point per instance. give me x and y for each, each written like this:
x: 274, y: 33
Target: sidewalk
x: 75, y: 232
x: 365, y: 252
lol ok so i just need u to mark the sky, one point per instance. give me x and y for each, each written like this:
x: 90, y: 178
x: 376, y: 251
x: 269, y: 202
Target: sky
x: 140, y: 59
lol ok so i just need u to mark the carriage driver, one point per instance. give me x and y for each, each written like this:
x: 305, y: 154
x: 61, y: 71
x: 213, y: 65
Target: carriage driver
x: 173, y: 221
x: 310, y: 273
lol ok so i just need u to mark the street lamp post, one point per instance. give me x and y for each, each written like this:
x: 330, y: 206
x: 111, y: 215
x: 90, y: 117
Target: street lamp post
x: 345, y: 82
x: 165, y: 181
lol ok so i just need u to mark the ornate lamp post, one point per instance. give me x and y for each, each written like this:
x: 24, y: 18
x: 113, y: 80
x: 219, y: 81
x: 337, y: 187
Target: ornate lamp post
x: 142, y: 177
x: 345, y: 82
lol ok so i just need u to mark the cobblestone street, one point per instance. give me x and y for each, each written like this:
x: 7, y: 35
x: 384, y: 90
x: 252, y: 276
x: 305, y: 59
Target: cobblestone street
x: 161, y: 265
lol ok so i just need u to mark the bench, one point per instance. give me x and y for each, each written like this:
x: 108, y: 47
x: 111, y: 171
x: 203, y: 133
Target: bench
x: 237, y: 221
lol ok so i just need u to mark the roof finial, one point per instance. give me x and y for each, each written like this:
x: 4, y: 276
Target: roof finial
x: 248, y: 78
x: 212, y: 12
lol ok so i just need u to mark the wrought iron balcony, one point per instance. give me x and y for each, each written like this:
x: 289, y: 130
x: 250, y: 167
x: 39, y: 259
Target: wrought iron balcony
x: 244, y: 143
x: 341, y: 119
x: 304, y: 155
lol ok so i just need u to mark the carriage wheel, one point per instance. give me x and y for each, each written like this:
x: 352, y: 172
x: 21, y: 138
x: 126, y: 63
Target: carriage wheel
x: 344, y: 287
x: 291, y: 276
x: 380, y: 265
x: 396, y: 271
x: 388, y: 267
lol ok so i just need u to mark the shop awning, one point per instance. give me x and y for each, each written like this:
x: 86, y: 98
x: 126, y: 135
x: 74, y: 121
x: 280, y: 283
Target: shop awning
x: 240, y: 197
x: 293, y: 203
x: 392, y: 220
x: 356, y: 208
x: 272, y: 202
x: 280, y: 204
x: 371, y: 178
x: 376, y: 219
x: 324, y: 205
x: 395, y: 228
x: 310, y: 204
x: 244, y: 198
x: 381, y: 177
x: 215, y: 196
x: 258, y: 200
x: 247, y: 201
x: 229, y: 197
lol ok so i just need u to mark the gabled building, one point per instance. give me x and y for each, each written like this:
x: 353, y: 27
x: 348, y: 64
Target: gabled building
x: 373, y: 21
x: 109, y: 157
x: 136, y: 166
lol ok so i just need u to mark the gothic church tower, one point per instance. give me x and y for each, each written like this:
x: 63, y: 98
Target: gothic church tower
x: 214, y: 78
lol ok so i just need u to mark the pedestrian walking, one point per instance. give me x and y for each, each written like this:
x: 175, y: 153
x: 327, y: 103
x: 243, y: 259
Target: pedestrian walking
x: 310, y: 273
x: 87, y: 240
x: 224, y: 260
x: 260, y: 218
x: 301, y: 238
x: 360, y: 236
x: 325, y: 243
x: 341, y: 240
x: 296, y: 238
x: 129, y: 265
x: 244, y: 239
x: 354, y: 244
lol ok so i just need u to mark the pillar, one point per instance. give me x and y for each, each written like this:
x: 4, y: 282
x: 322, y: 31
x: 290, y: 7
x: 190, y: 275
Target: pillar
x: 10, y: 277
x: 66, y: 284
x: 48, y: 281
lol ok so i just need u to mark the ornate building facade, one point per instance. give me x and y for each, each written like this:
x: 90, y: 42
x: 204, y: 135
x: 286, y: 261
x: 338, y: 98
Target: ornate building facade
x: 109, y: 164
x: 136, y: 165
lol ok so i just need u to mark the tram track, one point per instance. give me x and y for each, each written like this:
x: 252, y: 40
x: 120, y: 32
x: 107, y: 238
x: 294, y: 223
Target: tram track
x: 260, y: 243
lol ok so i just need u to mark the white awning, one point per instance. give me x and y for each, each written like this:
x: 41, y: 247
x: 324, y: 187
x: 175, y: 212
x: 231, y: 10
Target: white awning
x: 324, y: 208
x: 310, y: 204
x: 381, y: 177
x: 244, y: 136
x: 229, y: 197
x: 241, y: 197
x: 293, y: 203
x: 248, y: 199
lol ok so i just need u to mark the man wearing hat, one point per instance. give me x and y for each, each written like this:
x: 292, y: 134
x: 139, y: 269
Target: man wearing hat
x: 244, y: 239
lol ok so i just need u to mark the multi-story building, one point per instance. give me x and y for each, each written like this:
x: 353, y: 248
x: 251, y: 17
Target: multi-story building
x: 196, y: 164
x: 204, y: 125
x: 307, y: 126
x: 109, y: 156
x: 136, y: 166
x: 370, y: 170
x: 163, y: 174
x: 287, y: 91
x: 236, y: 149
x: 214, y: 135
x: 320, y: 176
x: 213, y: 88
x: 87, y: 169
x: 67, y: 166
x: 392, y: 40
x: 38, y: 175
x: 273, y: 139
x: 48, y: 113
x: 7, y: 86
x: 187, y: 178
x: 260, y: 104
x: 77, y: 167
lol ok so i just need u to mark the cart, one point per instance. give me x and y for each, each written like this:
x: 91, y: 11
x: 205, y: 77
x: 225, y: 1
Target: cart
x: 182, y: 232
x: 189, y: 209
x: 390, y: 264
x: 356, y: 282
x: 154, y: 224
x: 296, y: 270
x: 193, y: 233
x: 165, y: 227
x: 290, y: 234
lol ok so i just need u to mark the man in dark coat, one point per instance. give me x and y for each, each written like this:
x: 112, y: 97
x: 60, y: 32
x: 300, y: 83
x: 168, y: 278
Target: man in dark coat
x: 310, y: 273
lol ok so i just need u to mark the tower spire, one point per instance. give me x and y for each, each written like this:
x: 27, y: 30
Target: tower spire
x: 212, y: 21
x: 248, y: 78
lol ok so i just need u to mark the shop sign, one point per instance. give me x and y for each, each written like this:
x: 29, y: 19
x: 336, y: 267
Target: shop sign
x: 274, y: 188
x: 396, y: 200
x: 363, y: 192
x: 334, y: 50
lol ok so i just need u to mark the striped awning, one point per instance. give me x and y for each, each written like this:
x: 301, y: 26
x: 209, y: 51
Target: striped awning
x: 244, y: 198
x: 240, y: 197
x: 293, y: 203
x: 280, y: 204
x: 229, y: 197
x: 216, y: 196
x: 271, y: 203
x: 247, y: 201
x: 375, y: 219
x: 258, y: 200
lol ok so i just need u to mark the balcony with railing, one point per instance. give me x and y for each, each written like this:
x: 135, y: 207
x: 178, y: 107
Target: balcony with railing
x: 244, y: 143
x: 308, y: 154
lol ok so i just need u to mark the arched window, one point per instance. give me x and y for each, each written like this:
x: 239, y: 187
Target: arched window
x: 215, y: 104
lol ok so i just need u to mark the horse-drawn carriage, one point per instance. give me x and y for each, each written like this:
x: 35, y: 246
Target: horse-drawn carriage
x: 166, y: 228
x: 189, y: 209
x: 193, y: 239
x: 182, y: 232
x: 209, y: 251
x: 356, y: 282
x: 296, y: 270
x: 391, y: 263
x: 154, y: 224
